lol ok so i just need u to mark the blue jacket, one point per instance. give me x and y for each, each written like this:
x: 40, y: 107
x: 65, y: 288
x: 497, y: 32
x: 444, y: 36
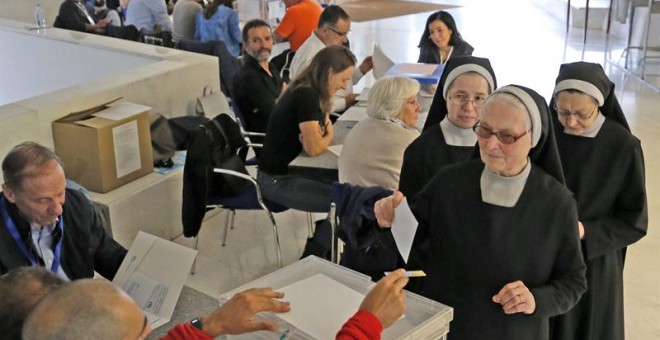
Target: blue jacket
x: 223, y: 26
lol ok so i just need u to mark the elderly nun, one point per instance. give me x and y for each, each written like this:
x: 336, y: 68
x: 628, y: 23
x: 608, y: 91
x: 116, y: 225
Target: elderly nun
x: 604, y: 167
x: 464, y: 86
x: 486, y: 239
x: 373, y: 151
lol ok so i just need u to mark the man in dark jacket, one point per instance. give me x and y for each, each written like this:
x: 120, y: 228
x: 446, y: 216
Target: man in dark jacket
x: 44, y: 224
x: 74, y: 16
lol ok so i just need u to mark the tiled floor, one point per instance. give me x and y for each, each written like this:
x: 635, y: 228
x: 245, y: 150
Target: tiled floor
x: 526, y: 50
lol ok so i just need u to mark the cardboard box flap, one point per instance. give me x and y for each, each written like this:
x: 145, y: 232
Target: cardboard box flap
x: 121, y: 111
x: 94, y: 122
x: 80, y: 115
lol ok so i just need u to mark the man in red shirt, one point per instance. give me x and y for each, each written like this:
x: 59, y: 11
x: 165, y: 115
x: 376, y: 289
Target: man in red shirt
x: 299, y: 21
x: 98, y: 309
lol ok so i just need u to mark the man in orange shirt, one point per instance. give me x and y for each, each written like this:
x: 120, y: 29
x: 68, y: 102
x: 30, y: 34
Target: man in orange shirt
x: 300, y: 19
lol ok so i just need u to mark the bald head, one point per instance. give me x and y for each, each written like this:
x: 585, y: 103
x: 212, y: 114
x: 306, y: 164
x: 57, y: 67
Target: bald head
x: 89, y: 309
x: 20, y: 290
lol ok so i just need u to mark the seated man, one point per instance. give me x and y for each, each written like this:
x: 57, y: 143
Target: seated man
x: 258, y: 84
x: 333, y: 29
x: 20, y: 290
x: 300, y: 19
x: 97, y: 309
x: 74, y: 16
x: 150, y: 15
x: 44, y: 224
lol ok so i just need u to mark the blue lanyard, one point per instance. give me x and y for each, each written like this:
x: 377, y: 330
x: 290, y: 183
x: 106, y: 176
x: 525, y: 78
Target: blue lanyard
x: 23, y: 247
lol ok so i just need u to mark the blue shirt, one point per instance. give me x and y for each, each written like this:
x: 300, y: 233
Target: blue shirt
x: 223, y: 26
x: 147, y: 13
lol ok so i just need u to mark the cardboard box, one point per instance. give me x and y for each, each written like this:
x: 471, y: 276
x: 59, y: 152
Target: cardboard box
x: 106, y: 146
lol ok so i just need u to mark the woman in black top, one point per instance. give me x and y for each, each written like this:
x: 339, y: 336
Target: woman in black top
x: 604, y: 168
x: 441, y: 40
x: 300, y: 122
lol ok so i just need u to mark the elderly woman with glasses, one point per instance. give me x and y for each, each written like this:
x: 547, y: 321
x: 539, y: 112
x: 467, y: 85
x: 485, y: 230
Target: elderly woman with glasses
x: 373, y: 152
x: 496, y: 236
x: 465, y: 84
x: 604, y: 167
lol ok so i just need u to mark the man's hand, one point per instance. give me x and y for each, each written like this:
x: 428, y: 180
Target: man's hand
x: 581, y: 230
x: 384, y: 209
x: 387, y: 299
x: 328, y: 128
x: 237, y: 315
x: 515, y: 297
x: 367, y: 65
x: 350, y: 99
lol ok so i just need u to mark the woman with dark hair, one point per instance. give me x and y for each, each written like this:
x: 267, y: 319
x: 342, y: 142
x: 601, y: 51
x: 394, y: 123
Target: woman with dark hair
x: 496, y: 236
x: 604, y: 167
x: 219, y: 21
x: 300, y: 122
x: 465, y: 84
x: 441, y: 40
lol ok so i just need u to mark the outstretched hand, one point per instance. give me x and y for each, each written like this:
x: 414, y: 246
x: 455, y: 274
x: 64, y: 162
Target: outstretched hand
x: 387, y: 299
x: 236, y: 316
x: 384, y: 209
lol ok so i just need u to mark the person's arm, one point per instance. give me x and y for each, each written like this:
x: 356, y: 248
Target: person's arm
x: 366, y: 66
x: 158, y: 8
x: 382, y: 306
x: 567, y: 284
x: 628, y: 221
x: 314, y: 138
x: 285, y: 28
x: 234, y: 30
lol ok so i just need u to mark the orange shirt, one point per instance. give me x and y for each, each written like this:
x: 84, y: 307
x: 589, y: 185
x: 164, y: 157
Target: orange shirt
x: 299, y: 21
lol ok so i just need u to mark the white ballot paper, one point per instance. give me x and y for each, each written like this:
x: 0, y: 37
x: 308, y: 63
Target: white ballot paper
x: 153, y: 274
x: 320, y: 315
x: 336, y: 149
x: 404, y: 227
x: 364, y: 95
x: 382, y: 63
x: 354, y: 113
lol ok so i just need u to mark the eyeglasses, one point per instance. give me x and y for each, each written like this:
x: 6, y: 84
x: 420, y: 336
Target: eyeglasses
x: 341, y: 34
x: 463, y: 99
x: 505, y: 138
x: 564, y: 114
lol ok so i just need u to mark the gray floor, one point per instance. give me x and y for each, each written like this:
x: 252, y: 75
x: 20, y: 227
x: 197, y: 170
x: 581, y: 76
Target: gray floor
x: 526, y: 51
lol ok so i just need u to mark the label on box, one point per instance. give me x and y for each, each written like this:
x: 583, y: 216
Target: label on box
x: 127, y: 148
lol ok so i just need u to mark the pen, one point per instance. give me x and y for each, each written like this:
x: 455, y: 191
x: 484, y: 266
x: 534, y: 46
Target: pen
x: 412, y: 273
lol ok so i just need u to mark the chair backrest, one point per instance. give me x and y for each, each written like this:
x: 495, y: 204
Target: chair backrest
x: 213, y: 144
x: 229, y: 65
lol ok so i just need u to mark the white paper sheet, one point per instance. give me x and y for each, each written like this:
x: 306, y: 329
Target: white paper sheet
x: 122, y: 110
x: 127, y: 148
x: 404, y: 228
x: 320, y: 305
x: 153, y: 273
x: 382, y: 63
x: 364, y: 95
x: 336, y: 149
x: 354, y: 113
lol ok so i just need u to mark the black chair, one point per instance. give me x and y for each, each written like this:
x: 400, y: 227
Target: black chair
x: 214, y: 177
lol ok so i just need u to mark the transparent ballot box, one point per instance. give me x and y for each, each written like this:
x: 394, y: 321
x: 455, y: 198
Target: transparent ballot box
x: 324, y: 295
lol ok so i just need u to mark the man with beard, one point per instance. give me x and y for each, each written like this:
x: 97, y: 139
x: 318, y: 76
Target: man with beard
x: 258, y: 84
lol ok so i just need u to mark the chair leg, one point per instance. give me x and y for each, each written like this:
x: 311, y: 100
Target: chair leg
x: 231, y: 220
x: 310, y: 224
x: 228, y: 220
x: 196, y: 243
x: 278, y: 247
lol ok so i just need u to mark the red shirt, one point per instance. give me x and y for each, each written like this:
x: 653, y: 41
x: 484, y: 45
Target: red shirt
x: 299, y: 21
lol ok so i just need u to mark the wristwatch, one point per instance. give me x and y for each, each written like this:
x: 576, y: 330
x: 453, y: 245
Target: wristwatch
x: 197, y: 323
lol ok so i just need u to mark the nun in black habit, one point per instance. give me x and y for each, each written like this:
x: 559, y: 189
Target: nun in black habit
x: 486, y: 239
x: 604, y: 168
x: 465, y: 84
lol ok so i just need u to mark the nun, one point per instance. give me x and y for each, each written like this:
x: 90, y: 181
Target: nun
x: 486, y: 239
x: 464, y: 86
x: 604, y: 168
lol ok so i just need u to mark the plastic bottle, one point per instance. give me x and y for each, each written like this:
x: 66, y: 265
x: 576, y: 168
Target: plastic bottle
x: 39, y: 16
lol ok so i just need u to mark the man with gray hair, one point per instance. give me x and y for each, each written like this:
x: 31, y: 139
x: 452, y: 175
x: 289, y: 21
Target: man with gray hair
x: 20, y: 290
x: 258, y: 84
x: 44, y: 224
